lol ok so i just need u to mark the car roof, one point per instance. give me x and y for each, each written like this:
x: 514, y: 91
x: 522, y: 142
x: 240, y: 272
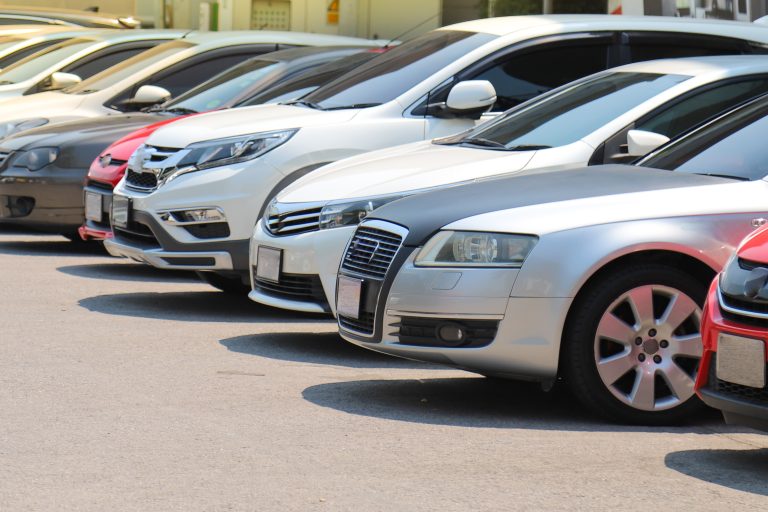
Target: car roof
x: 32, y: 31
x: 563, y: 23
x: 273, y: 36
x: 305, y: 52
x: 119, y: 35
x: 695, y: 66
x: 58, y: 15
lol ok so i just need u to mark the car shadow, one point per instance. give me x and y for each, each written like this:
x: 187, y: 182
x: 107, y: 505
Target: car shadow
x: 191, y: 306
x: 317, y: 348
x: 128, y: 272
x: 51, y: 246
x: 742, y: 470
x: 477, y: 402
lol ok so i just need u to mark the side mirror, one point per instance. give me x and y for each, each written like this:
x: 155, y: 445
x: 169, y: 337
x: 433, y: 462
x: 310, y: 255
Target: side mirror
x: 61, y: 80
x: 150, y: 94
x: 640, y: 142
x: 471, y: 98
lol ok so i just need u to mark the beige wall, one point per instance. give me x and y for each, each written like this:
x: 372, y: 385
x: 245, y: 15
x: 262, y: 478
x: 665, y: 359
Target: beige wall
x: 123, y: 7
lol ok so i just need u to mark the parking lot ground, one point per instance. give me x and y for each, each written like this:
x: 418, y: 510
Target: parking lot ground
x: 128, y: 388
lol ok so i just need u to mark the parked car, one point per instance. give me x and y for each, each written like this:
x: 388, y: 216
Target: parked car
x: 150, y: 77
x: 16, y: 46
x: 614, y: 116
x: 594, y: 275
x: 196, y: 211
x: 54, y: 190
x: 69, y: 62
x: 283, y: 85
x: 26, y: 15
x: 735, y: 333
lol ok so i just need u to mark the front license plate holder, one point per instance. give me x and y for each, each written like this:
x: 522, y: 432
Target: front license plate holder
x: 741, y: 360
x: 121, y: 211
x: 268, y: 262
x: 93, y: 206
x: 348, y: 297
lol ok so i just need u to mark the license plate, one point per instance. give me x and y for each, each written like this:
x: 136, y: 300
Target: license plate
x: 121, y: 208
x: 93, y: 206
x: 268, y: 264
x: 741, y: 360
x: 348, y: 295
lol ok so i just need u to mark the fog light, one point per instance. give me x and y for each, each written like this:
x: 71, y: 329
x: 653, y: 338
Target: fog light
x: 452, y: 334
x: 196, y: 216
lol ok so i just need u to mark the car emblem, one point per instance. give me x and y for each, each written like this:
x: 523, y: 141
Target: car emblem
x: 105, y: 160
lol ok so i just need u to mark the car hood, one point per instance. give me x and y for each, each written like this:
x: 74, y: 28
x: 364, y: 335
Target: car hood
x: 244, y: 121
x: 49, y: 105
x: 403, y: 168
x: 542, y: 203
x: 100, y: 131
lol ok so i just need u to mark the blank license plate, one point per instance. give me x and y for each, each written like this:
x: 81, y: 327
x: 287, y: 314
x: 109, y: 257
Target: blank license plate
x: 268, y: 264
x: 348, y: 297
x: 741, y: 360
x: 121, y: 208
x: 93, y: 206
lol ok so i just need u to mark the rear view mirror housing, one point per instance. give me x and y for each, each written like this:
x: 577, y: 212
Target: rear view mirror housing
x: 150, y: 95
x: 641, y: 142
x: 61, y: 80
x: 469, y: 99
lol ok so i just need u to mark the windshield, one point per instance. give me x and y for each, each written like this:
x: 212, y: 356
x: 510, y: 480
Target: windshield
x: 129, y: 67
x: 307, y: 82
x: 43, y: 60
x: 732, y: 146
x: 569, y: 114
x: 222, y: 88
x: 398, y: 70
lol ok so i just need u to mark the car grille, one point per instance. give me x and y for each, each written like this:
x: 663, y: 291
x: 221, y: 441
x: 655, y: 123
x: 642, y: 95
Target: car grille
x: 371, y: 251
x: 143, y: 180
x: 295, y: 222
x: 363, y: 325
x: 745, y: 310
x: 424, y: 331
x: 757, y: 396
x: 299, y: 287
x: 208, y: 231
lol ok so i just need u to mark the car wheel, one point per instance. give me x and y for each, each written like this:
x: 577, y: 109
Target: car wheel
x: 632, y: 346
x: 226, y: 283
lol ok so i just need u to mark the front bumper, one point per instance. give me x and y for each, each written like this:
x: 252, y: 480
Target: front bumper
x: 314, y: 257
x: 740, y: 405
x: 50, y: 199
x: 526, y: 342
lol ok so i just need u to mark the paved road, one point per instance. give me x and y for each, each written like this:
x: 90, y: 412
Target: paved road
x: 127, y: 388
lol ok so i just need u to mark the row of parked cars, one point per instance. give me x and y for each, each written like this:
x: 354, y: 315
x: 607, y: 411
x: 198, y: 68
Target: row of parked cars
x: 544, y: 198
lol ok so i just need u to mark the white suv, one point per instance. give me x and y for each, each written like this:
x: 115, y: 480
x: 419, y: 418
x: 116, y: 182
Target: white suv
x: 192, y: 195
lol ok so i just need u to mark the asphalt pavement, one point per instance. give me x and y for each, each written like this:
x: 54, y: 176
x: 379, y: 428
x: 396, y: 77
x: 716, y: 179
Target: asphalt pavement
x: 123, y: 387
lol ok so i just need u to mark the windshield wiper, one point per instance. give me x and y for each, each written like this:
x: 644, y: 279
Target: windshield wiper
x: 728, y: 176
x: 354, y: 105
x: 179, y: 110
x: 528, y: 147
x: 304, y: 104
x: 478, y: 141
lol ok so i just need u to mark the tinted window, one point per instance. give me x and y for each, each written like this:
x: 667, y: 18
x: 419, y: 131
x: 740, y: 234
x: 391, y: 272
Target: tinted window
x: 183, y: 79
x: 86, y: 68
x: 699, y: 107
x: 308, y: 82
x: 134, y: 65
x: 25, y: 52
x: 43, y: 60
x: 524, y: 76
x: 732, y: 146
x: 398, y: 70
x: 572, y: 113
x: 230, y: 84
x: 664, y: 46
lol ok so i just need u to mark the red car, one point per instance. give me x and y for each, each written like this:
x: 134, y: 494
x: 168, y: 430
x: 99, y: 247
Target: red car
x: 735, y: 331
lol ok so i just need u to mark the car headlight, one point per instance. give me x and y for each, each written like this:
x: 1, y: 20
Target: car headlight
x: 475, y: 249
x: 232, y: 150
x: 36, y: 159
x: 350, y: 213
x: 8, y: 129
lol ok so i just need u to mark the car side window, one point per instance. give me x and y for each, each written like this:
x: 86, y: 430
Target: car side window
x: 656, y: 45
x: 700, y: 106
x: 524, y: 75
x: 106, y: 59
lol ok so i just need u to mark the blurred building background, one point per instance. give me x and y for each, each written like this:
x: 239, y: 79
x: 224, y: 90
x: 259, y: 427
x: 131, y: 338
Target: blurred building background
x: 383, y: 18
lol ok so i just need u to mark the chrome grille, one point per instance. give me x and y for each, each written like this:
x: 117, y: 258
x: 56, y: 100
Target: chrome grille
x: 295, y: 222
x: 371, y: 251
x: 141, y: 180
x: 144, y: 178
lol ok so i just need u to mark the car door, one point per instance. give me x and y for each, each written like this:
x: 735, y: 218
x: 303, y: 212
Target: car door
x: 523, y: 71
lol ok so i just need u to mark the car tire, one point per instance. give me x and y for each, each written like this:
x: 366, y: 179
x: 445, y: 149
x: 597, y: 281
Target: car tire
x: 631, y: 349
x: 226, y: 283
